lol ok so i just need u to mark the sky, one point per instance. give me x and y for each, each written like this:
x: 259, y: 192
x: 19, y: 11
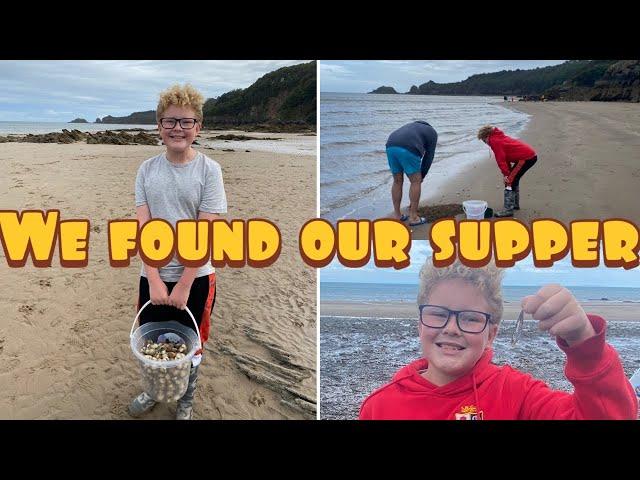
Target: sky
x: 362, y: 76
x: 60, y: 90
x: 522, y: 273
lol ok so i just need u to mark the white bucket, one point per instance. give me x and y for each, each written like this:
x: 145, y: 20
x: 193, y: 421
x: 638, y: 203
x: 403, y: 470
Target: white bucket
x: 474, y: 209
x: 165, y: 381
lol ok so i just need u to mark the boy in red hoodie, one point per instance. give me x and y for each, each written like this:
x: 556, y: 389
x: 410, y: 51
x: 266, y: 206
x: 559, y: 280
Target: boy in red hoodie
x: 460, y: 311
x: 514, y: 158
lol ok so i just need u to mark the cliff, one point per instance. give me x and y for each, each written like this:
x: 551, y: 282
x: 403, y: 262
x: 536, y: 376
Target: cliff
x: 618, y: 82
x: 284, y: 99
x: 573, y: 78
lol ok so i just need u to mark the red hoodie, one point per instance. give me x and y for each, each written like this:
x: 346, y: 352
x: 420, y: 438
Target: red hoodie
x: 508, y: 150
x: 490, y: 392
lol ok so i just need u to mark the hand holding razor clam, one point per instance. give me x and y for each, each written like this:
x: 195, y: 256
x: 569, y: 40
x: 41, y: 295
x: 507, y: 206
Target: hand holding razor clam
x: 558, y: 312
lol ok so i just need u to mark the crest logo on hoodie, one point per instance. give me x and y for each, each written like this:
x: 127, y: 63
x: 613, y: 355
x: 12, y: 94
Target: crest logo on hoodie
x: 469, y: 412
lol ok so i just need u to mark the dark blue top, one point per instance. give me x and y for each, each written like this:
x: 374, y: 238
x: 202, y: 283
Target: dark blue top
x: 418, y: 137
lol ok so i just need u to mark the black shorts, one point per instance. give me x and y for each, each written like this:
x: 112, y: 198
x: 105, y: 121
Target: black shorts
x: 202, y: 298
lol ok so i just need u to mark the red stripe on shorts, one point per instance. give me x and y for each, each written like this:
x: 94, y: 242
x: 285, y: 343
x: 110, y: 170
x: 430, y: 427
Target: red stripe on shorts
x: 205, y: 320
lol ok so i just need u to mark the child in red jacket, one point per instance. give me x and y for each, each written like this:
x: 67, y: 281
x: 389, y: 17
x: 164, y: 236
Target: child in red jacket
x: 514, y: 158
x: 460, y: 311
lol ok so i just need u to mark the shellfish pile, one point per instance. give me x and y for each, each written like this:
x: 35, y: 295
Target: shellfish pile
x: 161, y: 383
x: 163, y: 351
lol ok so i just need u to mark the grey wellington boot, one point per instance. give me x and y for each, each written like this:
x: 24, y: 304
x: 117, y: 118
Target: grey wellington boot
x: 140, y: 405
x: 184, y: 410
x: 509, y: 204
x: 517, y: 201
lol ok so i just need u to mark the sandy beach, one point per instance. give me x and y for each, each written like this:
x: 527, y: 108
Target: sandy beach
x: 613, y: 311
x: 588, y: 165
x: 64, y: 338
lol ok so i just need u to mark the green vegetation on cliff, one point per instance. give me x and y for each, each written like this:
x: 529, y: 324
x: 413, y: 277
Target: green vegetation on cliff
x: 285, y: 96
x: 521, y: 82
x: 597, y: 80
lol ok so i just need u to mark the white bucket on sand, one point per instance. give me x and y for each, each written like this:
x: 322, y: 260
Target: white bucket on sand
x: 474, y: 209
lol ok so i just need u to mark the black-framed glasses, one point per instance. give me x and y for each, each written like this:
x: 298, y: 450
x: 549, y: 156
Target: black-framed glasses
x: 469, y: 321
x: 185, y: 123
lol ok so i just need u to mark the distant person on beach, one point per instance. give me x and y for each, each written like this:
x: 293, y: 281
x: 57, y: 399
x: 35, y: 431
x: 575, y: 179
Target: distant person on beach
x: 410, y: 151
x: 460, y: 309
x: 179, y: 184
x: 514, y: 158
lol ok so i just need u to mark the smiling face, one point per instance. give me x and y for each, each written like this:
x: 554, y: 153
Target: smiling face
x: 177, y: 139
x: 450, y: 352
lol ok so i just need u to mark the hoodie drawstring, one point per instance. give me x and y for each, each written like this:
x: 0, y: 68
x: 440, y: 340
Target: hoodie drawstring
x: 475, y: 390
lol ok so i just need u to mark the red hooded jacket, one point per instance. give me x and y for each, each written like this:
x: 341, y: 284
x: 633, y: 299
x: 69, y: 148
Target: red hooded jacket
x: 508, y: 150
x: 490, y: 392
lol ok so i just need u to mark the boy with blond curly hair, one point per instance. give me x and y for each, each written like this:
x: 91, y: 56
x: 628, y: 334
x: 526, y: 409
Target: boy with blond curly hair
x: 459, y: 311
x: 179, y: 184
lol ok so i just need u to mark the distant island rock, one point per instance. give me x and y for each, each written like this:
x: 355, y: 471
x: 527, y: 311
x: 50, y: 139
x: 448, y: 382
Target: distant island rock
x: 136, y: 118
x: 383, y: 89
x: 78, y: 120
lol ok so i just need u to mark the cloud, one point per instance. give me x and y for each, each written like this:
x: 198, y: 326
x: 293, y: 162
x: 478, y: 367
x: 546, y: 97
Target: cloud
x: 55, y: 112
x: 95, y: 88
x: 334, y: 70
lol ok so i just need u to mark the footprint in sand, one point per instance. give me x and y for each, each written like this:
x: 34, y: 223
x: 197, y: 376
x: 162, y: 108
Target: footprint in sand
x: 26, y: 309
x: 1, y: 344
x: 96, y: 229
x: 80, y: 326
x: 119, y: 409
x: 44, y: 282
x: 257, y: 399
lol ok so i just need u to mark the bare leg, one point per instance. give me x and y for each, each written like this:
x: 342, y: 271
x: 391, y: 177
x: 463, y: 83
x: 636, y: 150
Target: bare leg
x: 396, y: 193
x: 414, y: 196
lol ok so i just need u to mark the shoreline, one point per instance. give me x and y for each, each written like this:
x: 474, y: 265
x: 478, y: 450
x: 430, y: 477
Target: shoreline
x: 628, y: 312
x: 588, y: 165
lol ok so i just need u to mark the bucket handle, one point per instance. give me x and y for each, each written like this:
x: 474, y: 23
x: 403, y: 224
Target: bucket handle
x: 188, y: 311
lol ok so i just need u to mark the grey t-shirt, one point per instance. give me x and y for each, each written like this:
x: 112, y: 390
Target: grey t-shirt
x: 179, y: 192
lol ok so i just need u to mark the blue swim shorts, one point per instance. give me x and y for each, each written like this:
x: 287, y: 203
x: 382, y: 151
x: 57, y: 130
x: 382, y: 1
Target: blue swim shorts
x: 402, y: 160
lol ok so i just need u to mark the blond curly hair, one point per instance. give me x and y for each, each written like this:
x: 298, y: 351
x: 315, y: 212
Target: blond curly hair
x: 487, y: 279
x: 485, y: 131
x: 181, y: 96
